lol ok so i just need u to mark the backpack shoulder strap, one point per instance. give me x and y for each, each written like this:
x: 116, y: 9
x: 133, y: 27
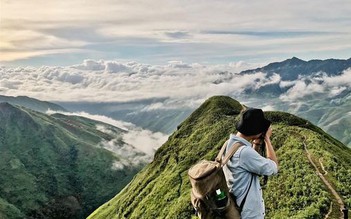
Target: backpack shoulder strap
x: 230, y: 153
x: 221, y: 152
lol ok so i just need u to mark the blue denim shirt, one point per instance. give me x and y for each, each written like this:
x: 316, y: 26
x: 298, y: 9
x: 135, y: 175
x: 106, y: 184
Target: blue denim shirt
x: 238, y: 172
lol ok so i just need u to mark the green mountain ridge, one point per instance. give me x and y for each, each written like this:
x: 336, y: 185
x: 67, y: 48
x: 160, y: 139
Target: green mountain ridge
x: 162, y: 188
x: 55, y: 166
x: 31, y: 103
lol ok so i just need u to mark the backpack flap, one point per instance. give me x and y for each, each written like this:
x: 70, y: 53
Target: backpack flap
x: 204, y: 178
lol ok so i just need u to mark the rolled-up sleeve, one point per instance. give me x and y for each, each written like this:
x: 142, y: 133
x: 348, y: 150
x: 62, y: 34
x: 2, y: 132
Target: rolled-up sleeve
x: 255, y: 163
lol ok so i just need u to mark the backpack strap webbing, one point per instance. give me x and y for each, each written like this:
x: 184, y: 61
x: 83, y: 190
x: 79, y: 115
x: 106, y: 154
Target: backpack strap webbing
x: 230, y: 153
x: 221, y: 152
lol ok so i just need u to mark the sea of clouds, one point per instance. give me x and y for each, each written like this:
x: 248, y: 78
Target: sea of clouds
x: 104, y: 81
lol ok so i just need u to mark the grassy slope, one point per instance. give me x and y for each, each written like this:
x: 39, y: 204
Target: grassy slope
x: 161, y: 189
x: 48, y: 161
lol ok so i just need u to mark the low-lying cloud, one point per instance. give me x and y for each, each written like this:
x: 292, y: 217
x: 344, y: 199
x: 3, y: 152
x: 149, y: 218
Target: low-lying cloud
x: 329, y: 86
x: 136, y: 140
x: 179, y: 83
x: 98, y: 81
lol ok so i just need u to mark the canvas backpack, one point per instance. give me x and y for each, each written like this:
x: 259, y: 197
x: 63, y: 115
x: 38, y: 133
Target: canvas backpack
x: 210, y: 195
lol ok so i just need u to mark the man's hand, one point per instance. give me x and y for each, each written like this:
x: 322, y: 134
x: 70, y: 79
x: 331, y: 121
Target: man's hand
x: 268, y: 133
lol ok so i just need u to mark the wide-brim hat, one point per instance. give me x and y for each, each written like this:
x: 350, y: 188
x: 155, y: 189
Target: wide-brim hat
x: 252, y: 122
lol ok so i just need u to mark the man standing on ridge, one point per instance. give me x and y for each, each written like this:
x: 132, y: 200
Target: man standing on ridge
x: 243, y: 169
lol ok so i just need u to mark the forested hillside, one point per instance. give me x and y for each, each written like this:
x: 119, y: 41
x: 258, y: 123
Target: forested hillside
x: 57, y: 166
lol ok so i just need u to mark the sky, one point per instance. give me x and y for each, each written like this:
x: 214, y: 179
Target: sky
x: 67, y: 32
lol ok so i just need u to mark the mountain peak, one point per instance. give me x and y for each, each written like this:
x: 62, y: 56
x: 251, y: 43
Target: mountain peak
x: 213, y: 107
x: 288, y: 63
x: 224, y: 104
x: 294, y: 61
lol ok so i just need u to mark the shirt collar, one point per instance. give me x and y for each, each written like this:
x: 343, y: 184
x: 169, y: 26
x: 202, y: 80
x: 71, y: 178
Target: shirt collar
x: 242, y: 140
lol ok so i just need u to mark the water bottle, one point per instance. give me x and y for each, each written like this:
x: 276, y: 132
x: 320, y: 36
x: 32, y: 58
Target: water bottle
x: 221, y: 199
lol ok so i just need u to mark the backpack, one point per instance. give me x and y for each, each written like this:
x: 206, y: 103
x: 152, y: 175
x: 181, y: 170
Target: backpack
x: 210, y: 195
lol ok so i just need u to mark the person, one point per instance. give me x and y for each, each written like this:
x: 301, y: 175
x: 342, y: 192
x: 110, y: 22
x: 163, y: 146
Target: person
x: 244, y: 168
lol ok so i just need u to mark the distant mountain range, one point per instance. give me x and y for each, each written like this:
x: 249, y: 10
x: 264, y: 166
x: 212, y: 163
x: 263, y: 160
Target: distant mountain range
x: 57, y: 166
x: 162, y: 188
x: 291, y: 69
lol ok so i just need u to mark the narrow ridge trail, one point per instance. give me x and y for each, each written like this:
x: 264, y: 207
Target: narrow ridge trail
x: 322, y: 166
x: 325, y: 181
x: 330, y: 211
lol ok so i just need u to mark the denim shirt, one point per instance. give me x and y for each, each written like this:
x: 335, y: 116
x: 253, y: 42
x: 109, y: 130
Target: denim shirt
x: 245, y: 164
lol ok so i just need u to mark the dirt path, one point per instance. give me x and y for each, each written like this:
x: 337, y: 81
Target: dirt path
x: 326, y: 182
x: 330, y: 211
x: 320, y: 162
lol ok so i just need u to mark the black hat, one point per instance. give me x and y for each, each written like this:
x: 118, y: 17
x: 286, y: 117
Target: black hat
x: 252, y: 122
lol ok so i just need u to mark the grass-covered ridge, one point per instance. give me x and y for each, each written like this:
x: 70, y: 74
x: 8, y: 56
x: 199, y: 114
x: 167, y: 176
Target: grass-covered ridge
x: 53, y: 166
x: 162, y: 189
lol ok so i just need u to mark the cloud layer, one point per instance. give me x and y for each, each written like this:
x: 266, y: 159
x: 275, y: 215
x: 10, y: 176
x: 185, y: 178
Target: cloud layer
x: 116, y: 81
x: 180, y: 84
x: 320, y: 84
